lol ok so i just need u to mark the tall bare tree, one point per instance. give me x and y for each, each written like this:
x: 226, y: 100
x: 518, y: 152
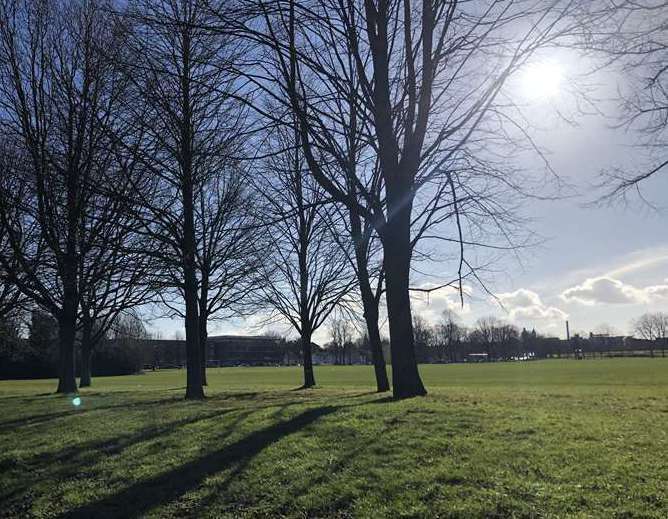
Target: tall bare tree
x: 183, y: 125
x: 341, y: 332
x: 449, y: 334
x: 58, y: 94
x: 11, y: 297
x: 431, y: 79
x: 228, y: 252
x: 306, y: 273
x: 370, y: 277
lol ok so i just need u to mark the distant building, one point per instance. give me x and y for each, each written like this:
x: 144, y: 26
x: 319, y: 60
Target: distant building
x: 604, y: 341
x: 161, y: 353
x: 248, y: 350
x: 222, y: 350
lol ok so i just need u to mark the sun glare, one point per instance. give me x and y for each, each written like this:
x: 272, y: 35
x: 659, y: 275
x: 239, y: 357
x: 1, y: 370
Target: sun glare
x: 542, y: 80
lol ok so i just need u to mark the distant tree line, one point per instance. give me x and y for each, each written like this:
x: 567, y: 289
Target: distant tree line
x: 30, y: 353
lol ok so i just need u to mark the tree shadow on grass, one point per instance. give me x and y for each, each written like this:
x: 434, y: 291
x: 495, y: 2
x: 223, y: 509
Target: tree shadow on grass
x: 147, y: 494
x: 76, y: 459
x: 384, y: 400
x: 72, y: 458
x: 48, y: 417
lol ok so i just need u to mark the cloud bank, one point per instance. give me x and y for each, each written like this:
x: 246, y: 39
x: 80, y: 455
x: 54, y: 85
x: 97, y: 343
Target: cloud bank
x: 526, y: 304
x: 608, y: 290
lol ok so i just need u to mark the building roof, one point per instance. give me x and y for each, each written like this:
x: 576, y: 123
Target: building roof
x: 242, y: 337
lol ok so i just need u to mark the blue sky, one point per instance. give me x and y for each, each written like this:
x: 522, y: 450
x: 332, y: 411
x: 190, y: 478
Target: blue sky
x: 595, y: 265
x: 598, y: 264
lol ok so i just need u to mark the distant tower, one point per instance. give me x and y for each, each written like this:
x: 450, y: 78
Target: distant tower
x: 568, y: 333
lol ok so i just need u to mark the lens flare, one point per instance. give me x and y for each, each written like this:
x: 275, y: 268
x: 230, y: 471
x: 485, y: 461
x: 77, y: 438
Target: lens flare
x: 76, y: 401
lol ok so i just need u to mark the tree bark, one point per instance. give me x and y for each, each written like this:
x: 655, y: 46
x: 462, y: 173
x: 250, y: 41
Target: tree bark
x: 371, y: 317
x: 203, y: 334
x: 85, y: 378
x: 66, y: 333
x: 406, y: 381
x: 67, y: 320
x: 203, y: 318
x: 85, y: 373
x: 194, y: 389
x: 369, y: 302
x: 309, y: 377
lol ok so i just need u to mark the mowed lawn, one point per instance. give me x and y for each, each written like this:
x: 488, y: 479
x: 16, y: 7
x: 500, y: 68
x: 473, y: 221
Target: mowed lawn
x: 538, y: 439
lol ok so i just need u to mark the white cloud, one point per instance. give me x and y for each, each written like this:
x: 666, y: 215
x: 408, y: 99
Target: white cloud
x: 657, y: 291
x: 431, y: 305
x: 526, y: 304
x: 608, y: 290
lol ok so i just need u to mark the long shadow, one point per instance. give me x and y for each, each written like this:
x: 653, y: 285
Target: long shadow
x: 384, y: 400
x: 48, y: 417
x: 144, y: 495
x: 241, y: 466
x: 70, y: 463
x: 79, y: 454
x: 41, y: 419
x: 113, y: 445
x: 25, y: 396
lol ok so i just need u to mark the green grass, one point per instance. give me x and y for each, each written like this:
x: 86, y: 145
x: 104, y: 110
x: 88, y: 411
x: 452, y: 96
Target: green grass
x: 540, y: 439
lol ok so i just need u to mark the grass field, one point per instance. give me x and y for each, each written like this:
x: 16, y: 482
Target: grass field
x: 539, y: 439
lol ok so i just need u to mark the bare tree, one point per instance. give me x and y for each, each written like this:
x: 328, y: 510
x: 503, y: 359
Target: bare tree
x: 605, y: 329
x: 228, y: 252
x: 11, y: 297
x: 449, y: 334
x: 229, y: 255
x: 651, y: 327
x: 341, y: 332
x: 183, y: 125
x: 361, y: 243
x: 115, y: 277
x: 494, y: 336
x: 306, y: 273
x: 58, y: 94
x: 430, y: 101
x: 424, y: 338
x: 631, y: 36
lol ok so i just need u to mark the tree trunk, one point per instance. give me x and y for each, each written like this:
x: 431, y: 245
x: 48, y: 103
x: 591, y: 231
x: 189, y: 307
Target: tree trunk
x: 203, y: 334
x: 371, y: 317
x: 369, y: 302
x: 85, y: 370
x: 194, y: 389
x: 86, y: 366
x: 66, y: 334
x: 309, y: 377
x: 406, y: 381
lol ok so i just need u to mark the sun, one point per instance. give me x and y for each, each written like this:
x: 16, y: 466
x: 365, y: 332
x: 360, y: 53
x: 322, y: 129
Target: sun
x: 542, y: 80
